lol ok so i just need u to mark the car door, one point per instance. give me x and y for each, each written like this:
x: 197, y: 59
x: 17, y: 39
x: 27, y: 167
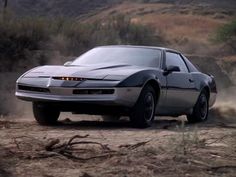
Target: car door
x: 180, y: 91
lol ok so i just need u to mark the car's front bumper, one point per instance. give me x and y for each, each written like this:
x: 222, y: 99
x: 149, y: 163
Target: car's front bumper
x: 125, y: 96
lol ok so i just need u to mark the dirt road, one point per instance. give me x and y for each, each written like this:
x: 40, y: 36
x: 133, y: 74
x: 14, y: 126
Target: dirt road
x: 169, y: 148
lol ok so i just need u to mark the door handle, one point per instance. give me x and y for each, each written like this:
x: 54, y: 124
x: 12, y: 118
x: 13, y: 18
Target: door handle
x: 191, y: 80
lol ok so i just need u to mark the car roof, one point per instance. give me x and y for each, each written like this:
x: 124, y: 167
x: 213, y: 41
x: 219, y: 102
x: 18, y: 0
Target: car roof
x: 137, y: 46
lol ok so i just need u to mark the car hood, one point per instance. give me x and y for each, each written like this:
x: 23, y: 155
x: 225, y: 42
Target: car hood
x: 100, y: 71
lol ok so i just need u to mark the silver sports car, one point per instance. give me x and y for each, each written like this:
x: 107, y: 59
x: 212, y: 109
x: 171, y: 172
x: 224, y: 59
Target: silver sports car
x: 135, y: 81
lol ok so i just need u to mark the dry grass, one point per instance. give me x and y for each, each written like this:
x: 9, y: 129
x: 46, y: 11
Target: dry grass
x: 186, y: 28
x: 231, y: 58
x: 189, y: 26
x: 127, y: 8
x: 168, y: 18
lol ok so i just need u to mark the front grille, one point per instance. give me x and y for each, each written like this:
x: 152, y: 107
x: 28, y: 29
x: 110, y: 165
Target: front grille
x: 93, y: 91
x: 32, y: 89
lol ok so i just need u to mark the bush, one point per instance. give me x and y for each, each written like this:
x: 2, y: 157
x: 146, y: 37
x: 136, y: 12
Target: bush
x: 227, y: 34
x: 19, y: 39
x: 122, y: 31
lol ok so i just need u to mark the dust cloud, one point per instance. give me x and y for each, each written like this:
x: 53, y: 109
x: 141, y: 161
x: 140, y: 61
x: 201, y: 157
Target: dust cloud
x: 224, y: 109
x: 10, y: 106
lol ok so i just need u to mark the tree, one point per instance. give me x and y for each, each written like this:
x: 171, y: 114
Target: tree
x: 227, y: 34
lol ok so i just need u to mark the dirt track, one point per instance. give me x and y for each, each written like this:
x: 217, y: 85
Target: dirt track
x: 166, y: 149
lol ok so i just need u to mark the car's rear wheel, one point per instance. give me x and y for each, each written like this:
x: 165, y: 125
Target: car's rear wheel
x: 45, y: 114
x: 200, y: 110
x: 143, y: 112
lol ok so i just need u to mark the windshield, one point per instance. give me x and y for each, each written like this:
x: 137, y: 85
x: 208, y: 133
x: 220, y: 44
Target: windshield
x: 121, y: 55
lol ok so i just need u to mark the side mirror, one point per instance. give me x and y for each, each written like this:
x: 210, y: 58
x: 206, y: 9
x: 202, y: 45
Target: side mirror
x: 171, y: 69
x: 67, y: 63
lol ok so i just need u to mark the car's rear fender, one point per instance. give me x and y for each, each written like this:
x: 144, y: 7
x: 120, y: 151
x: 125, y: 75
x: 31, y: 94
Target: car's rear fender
x: 206, y: 82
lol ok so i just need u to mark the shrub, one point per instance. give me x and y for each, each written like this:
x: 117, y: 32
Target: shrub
x: 227, y: 34
x: 19, y: 39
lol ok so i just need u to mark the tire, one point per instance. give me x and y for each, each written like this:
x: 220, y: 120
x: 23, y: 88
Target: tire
x: 200, y: 110
x: 109, y: 118
x: 143, y: 112
x: 44, y: 114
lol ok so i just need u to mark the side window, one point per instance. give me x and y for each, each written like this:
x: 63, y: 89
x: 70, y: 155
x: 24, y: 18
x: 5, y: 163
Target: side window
x: 175, y: 60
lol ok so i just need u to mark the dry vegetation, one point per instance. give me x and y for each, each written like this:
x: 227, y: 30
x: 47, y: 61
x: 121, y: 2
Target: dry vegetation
x: 185, y: 27
x: 34, y: 40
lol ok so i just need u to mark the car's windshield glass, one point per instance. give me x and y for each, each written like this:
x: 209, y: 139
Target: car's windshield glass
x: 121, y: 55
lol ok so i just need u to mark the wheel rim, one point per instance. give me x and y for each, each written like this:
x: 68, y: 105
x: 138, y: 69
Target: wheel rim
x: 203, y: 107
x: 149, y: 105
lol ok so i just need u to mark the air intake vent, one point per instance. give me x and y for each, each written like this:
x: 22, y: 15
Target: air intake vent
x: 32, y: 89
x: 94, y: 91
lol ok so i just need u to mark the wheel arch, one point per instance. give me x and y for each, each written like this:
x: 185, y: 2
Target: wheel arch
x: 156, y: 86
x: 142, y: 79
x: 207, y: 90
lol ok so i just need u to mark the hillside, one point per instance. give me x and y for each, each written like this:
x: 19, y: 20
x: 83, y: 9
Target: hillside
x: 56, y: 7
x: 76, y: 8
x: 186, y: 27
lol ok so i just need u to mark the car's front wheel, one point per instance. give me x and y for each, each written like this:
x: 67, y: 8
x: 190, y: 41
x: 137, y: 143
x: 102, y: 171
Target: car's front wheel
x: 200, y: 110
x: 45, y: 114
x: 143, y: 112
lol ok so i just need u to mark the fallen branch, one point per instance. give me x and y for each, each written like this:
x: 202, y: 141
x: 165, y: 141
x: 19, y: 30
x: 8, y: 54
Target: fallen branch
x: 75, y: 148
x: 134, y: 146
x: 49, y: 146
x: 43, y: 155
x: 69, y: 155
x: 199, y: 162
x: 52, y: 144
x: 67, y: 149
x: 77, y: 136
x: 216, y: 140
